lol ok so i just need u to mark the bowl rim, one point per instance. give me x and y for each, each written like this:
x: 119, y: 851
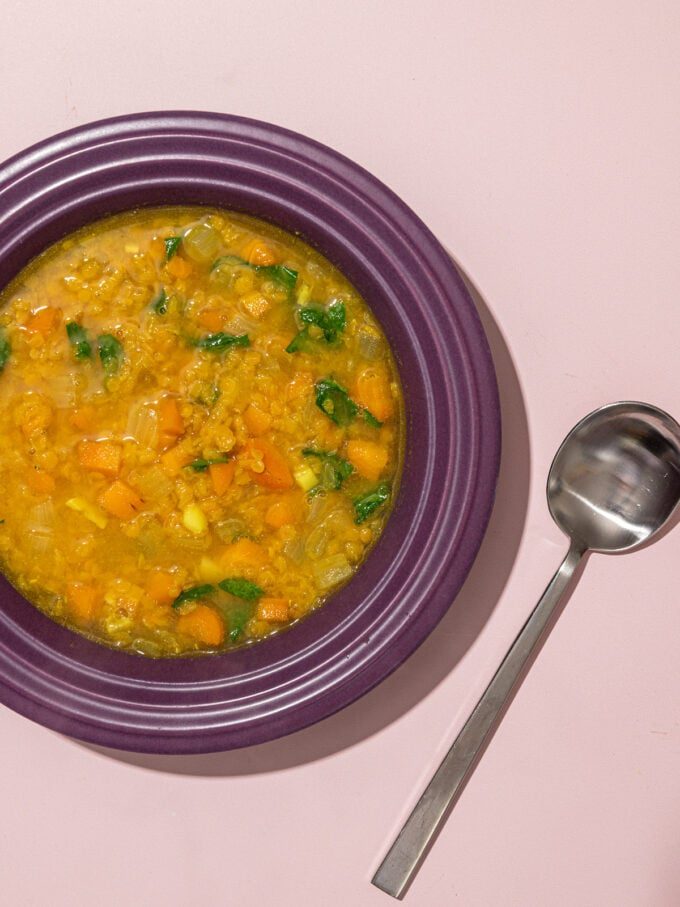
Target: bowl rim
x: 367, y: 629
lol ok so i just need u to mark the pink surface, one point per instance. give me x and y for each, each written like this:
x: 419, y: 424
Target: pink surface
x: 551, y: 137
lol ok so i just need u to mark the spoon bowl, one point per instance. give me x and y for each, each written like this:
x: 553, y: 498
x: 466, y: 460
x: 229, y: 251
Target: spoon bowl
x: 615, y: 480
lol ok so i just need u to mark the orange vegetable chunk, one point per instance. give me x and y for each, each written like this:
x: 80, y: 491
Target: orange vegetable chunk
x: 179, y: 267
x: 257, y: 421
x: 276, y: 472
x: 203, y: 624
x: 257, y: 252
x: 241, y: 555
x: 174, y: 460
x: 100, y: 456
x: 284, y: 512
x: 222, y: 475
x: 275, y: 609
x: 44, y: 320
x: 170, y: 420
x: 373, y: 392
x: 41, y: 482
x: 368, y: 458
x: 211, y: 319
x: 162, y: 587
x: 82, y: 601
x: 121, y: 501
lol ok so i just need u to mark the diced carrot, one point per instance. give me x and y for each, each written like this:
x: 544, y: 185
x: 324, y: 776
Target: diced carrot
x: 256, y: 304
x: 170, y: 420
x: 373, y: 391
x: 368, y: 458
x: 162, y: 587
x: 300, y: 385
x: 40, y: 482
x: 284, y: 512
x: 100, y: 456
x: 241, y: 554
x: 276, y: 473
x: 44, y: 320
x: 203, y: 624
x: 257, y: 252
x: 83, y: 418
x: 174, y: 460
x: 82, y: 601
x: 179, y: 267
x: 211, y: 319
x: 275, y: 609
x: 121, y: 501
x: 257, y: 421
x: 222, y: 475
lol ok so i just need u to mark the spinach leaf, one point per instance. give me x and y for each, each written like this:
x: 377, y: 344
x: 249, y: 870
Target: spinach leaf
x: 192, y: 594
x: 365, y: 505
x: 216, y: 343
x: 331, y: 320
x: 241, y: 588
x: 287, y: 277
x: 110, y: 353
x: 172, y: 244
x: 237, y: 621
x: 201, y: 464
x: 5, y: 350
x: 334, y: 472
x: 335, y: 402
x: 370, y: 418
x: 77, y: 336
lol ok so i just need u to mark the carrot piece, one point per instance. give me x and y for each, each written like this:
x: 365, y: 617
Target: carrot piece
x: 121, y: 500
x: 82, y: 601
x: 222, y: 475
x: 162, y: 587
x: 41, y: 482
x: 44, y: 320
x: 373, y: 391
x: 276, y: 473
x: 202, y: 624
x: 211, y: 319
x: 257, y: 252
x: 241, y: 554
x: 368, y: 458
x: 284, y: 512
x: 256, y: 304
x: 170, y: 420
x: 174, y: 460
x: 83, y: 418
x: 179, y: 267
x: 257, y: 421
x: 100, y: 456
x: 275, y: 609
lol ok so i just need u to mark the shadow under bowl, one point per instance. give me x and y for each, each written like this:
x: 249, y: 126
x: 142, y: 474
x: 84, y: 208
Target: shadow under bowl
x: 256, y: 693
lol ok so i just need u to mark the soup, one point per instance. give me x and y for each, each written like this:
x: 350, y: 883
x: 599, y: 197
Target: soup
x: 200, y: 430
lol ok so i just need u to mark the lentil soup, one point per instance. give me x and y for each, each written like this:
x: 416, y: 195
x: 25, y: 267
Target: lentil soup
x: 200, y: 430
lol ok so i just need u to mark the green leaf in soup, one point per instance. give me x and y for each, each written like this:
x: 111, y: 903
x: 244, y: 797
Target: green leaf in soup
x: 172, y: 244
x: 330, y: 320
x: 333, y: 400
x: 5, y: 350
x: 110, y: 353
x: 370, y: 418
x: 82, y: 348
x: 201, y: 463
x: 241, y: 588
x: 287, y: 277
x: 160, y: 303
x: 368, y: 503
x: 192, y: 594
x: 220, y: 341
x: 299, y: 342
x: 335, y: 469
x: 238, y: 618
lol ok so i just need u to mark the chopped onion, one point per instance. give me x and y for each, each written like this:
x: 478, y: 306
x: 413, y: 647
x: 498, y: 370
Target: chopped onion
x: 153, y: 483
x: 142, y: 425
x: 40, y: 519
x: 201, y: 243
x: 331, y: 570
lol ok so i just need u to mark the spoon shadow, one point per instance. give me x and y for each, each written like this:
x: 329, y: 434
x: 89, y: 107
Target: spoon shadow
x: 445, y: 646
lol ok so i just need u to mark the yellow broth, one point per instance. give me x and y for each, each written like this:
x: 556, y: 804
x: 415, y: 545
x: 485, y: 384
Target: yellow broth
x: 200, y: 430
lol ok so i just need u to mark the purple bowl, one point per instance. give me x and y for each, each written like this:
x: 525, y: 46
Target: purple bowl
x: 218, y: 702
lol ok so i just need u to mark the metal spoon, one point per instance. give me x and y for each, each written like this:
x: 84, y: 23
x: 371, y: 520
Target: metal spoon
x: 613, y: 485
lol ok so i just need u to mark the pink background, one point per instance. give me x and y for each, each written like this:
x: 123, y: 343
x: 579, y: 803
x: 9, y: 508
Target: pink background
x: 541, y: 143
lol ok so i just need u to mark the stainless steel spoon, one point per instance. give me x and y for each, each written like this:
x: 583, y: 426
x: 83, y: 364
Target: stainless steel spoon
x: 613, y: 485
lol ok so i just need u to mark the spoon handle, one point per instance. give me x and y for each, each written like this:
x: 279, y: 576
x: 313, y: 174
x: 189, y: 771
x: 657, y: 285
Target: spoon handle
x: 403, y: 859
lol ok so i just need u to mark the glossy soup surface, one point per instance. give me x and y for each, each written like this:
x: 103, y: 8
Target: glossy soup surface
x: 200, y: 430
